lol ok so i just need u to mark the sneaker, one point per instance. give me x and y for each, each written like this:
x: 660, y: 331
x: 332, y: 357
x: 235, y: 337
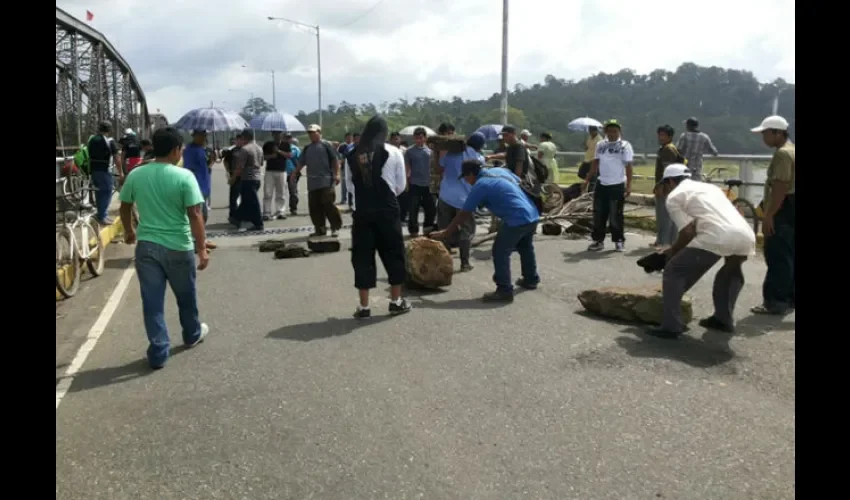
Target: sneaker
x: 362, y: 313
x: 596, y: 246
x: 293, y: 212
x: 280, y: 216
x: 256, y: 228
x: 498, y: 297
x: 316, y: 235
x: 619, y: 246
x: 465, y: 268
x: 105, y: 222
x: 204, y: 331
x: 713, y: 323
x: 663, y: 333
x: 524, y: 284
x: 400, y: 307
x: 267, y: 218
x: 334, y: 233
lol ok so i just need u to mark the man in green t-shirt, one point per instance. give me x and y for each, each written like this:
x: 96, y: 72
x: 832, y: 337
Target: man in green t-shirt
x: 170, y: 233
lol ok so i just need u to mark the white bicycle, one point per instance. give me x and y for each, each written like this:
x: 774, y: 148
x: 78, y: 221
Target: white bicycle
x: 77, y: 241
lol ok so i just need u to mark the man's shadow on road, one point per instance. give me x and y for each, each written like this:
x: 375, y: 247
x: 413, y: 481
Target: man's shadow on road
x: 711, y: 350
x: 332, y: 327
x: 102, y: 377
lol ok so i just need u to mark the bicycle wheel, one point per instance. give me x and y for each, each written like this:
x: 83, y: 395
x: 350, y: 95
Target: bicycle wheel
x: 746, y: 209
x: 96, y: 258
x: 68, y: 266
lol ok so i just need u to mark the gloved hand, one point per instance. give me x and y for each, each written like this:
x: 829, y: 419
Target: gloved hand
x: 653, y: 262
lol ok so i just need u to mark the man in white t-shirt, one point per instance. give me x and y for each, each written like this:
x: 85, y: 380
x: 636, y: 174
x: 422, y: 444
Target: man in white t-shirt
x: 613, y: 163
x: 711, y: 229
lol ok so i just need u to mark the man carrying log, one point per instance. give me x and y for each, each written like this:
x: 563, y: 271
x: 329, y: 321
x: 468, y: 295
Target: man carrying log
x: 375, y: 176
x: 498, y: 189
x: 711, y: 229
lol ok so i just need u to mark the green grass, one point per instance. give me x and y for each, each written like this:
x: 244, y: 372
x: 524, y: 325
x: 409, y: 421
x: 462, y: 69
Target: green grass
x: 645, y: 185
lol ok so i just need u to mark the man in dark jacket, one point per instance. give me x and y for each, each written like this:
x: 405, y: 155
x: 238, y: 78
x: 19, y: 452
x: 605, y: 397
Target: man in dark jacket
x: 375, y: 175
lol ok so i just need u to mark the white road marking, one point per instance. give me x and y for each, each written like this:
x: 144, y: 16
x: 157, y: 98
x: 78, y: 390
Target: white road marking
x: 94, y: 334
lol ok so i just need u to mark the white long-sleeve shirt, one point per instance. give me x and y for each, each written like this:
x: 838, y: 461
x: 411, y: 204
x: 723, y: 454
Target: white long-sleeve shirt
x: 393, y: 173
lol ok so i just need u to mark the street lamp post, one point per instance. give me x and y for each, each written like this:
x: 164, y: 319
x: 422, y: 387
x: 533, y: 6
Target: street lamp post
x: 274, y: 91
x: 318, y: 53
x: 504, y: 105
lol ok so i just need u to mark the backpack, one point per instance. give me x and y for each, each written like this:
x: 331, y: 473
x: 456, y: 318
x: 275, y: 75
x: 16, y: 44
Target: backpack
x: 81, y: 157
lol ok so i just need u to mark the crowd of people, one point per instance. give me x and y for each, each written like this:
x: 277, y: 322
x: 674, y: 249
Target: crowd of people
x: 379, y: 176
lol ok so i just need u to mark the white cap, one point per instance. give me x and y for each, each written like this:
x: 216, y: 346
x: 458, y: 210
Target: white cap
x: 774, y: 122
x: 314, y: 128
x: 676, y: 170
x: 525, y: 132
x: 129, y: 131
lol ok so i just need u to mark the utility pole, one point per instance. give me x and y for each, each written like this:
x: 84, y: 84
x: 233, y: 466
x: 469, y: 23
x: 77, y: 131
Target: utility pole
x: 274, y: 97
x: 504, y: 62
x: 317, y: 31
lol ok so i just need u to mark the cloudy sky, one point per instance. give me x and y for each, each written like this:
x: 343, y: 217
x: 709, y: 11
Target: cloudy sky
x: 187, y: 53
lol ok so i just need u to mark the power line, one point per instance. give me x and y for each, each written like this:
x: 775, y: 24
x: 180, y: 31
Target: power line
x: 361, y: 16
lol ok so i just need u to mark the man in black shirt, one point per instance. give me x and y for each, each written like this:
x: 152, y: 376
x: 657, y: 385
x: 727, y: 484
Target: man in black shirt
x: 516, y: 155
x: 103, y: 153
x: 276, y: 152
x: 235, y: 186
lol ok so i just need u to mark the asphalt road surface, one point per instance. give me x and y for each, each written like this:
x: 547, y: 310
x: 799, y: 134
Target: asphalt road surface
x: 289, y: 398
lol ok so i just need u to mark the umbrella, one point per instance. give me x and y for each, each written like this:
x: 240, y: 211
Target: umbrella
x: 277, y: 121
x: 581, y: 124
x: 409, y: 130
x: 490, y: 132
x: 212, y: 119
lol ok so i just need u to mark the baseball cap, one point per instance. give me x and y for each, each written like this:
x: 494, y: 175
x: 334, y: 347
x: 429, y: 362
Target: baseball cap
x: 476, y: 140
x: 469, y: 167
x: 774, y: 122
x: 314, y: 128
x: 525, y: 132
x: 129, y: 131
x: 691, y: 121
x: 676, y: 170
x: 612, y: 123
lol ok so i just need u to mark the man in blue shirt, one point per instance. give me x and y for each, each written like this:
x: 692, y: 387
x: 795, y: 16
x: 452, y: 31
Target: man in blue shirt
x: 498, y: 189
x: 453, y: 193
x: 291, y: 163
x: 195, y: 160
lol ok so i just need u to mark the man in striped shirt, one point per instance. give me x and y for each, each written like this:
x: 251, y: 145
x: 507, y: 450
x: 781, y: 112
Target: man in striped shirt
x: 692, y: 145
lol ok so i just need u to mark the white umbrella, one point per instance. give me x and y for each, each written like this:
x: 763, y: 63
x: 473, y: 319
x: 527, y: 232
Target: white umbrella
x: 409, y: 130
x: 582, y: 124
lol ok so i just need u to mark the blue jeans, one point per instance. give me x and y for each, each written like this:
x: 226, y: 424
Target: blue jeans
x: 508, y: 239
x: 156, y: 266
x: 102, y: 180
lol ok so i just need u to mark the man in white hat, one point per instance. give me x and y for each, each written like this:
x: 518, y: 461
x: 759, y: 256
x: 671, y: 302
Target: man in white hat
x: 779, y: 221
x: 710, y: 229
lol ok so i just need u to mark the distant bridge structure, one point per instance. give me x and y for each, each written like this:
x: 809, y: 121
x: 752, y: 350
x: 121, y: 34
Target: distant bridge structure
x: 93, y: 83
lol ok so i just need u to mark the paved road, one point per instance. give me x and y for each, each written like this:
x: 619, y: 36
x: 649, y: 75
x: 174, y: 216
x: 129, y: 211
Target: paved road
x: 291, y: 399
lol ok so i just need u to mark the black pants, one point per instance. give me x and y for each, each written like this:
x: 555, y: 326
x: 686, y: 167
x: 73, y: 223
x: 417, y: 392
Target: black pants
x: 420, y: 196
x: 608, y: 202
x: 462, y: 238
x: 292, y: 187
x: 235, y: 190
x: 404, y: 205
x: 250, y: 209
x: 779, y: 255
x: 381, y: 232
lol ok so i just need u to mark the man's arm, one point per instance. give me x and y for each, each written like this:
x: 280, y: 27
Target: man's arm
x: 780, y: 184
x: 709, y: 146
x: 628, y: 157
x: 238, y: 161
x: 349, y: 182
x: 519, y: 163
x: 686, y: 235
x: 193, y: 200
x: 401, y: 173
x: 335, y: 169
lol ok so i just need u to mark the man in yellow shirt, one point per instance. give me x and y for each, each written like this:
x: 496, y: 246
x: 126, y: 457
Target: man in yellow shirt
x: 779, y: 221
x: 590, y: 143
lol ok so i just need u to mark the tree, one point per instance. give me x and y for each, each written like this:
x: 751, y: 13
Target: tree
x: 255, y: 107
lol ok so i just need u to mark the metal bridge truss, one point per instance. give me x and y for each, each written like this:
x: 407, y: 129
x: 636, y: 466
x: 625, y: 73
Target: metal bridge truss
x: 93, y: 83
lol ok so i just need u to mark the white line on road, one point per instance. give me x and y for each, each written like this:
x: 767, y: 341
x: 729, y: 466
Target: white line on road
x: 94, y: 334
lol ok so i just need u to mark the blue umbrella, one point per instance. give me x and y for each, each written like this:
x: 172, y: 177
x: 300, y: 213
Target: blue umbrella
x: 211, y: 119
x: 277, y: 121
x: 581, y: 124
x: 491, y: 132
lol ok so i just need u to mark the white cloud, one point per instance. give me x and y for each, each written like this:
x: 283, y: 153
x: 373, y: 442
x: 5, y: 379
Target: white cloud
x: 187, y: 53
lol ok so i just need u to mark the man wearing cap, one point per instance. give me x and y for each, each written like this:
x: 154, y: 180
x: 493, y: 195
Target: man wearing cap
x: 498, y: 190
x: 612, y: 171
x: 710, y: 229
x: 322, y: 164
x: 524, y: 136
x: 693, y: 144
x: 247, y: 164
x: 453, y: 194
x: 779, y: 221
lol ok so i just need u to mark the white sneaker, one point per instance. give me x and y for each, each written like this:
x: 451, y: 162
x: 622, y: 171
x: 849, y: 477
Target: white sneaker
x: 334, y: 233
x: 619, y: 246
x: 204, y: 331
